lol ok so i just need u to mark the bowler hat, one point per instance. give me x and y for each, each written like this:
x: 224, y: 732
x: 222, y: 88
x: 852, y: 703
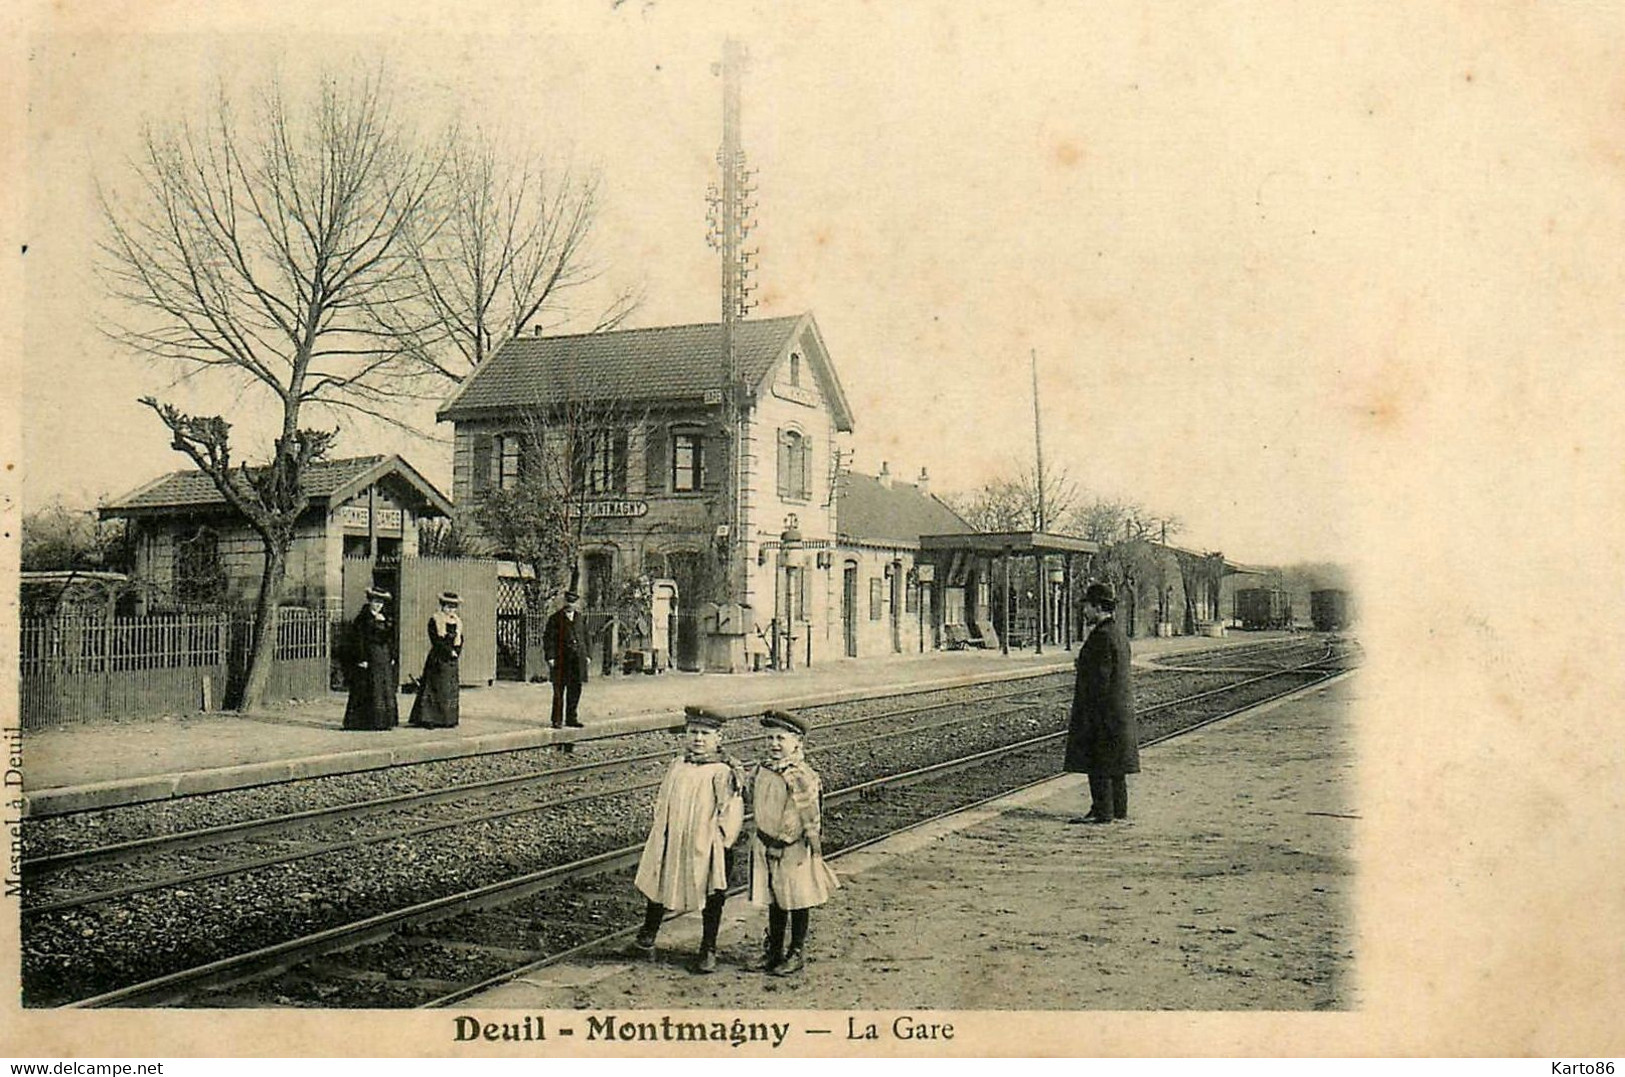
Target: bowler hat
x: 379, y: 593
x: 450, y: 598
x: 704, y: 717
x: 1100, y: 594
x: 571, y: 596
x: 777, y: 719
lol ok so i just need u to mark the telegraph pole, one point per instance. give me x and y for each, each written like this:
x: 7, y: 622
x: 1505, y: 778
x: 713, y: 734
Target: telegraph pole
x: 1040, y: 562
x: 1038, y: 439
x: 730, y: 222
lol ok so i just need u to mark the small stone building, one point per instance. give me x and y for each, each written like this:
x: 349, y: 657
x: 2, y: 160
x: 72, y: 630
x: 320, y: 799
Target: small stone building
x: 885, y: 603
x: 193, y: 549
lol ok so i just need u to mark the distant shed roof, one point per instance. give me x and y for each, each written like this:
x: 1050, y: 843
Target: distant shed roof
x: 670, y: 362
x: 325, y: 480
x: 867, y: 510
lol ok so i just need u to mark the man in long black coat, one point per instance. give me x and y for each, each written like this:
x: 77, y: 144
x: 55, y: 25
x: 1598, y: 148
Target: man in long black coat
x: 1103, y: 740
x: 565, y: 646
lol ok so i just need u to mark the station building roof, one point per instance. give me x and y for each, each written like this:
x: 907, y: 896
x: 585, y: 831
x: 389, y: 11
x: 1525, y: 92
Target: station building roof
x: 661, y: 363
x: 868, y: 510
x: 326, y: 481
x: 993, y: 543
x: 1231, y: 568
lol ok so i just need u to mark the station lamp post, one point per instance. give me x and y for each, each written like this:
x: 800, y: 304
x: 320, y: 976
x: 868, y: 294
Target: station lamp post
x: 788, y: 559
x: 1057, y: 580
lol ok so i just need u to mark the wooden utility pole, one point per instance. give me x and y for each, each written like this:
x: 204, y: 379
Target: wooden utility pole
x: 1038, y: 439
x: 1041, y: 581
x: 730, y: 224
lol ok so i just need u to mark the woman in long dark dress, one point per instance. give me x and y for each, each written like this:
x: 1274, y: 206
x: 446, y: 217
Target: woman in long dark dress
x: 372, y: 677
x: 436, y: 704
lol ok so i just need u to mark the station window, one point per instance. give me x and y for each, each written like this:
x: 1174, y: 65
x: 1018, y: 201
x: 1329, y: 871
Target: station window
x: 687, y: 462
x: 600, y: 462
x: 510, y: 461
x: 795, y: 369
x: 479, y: 475
x: 795, y: 466
x: 876, y: 590
x: 199, y: 577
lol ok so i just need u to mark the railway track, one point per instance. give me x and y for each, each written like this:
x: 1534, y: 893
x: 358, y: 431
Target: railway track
x: 275, y: 841
x: 450, y: 945
x: 77, y: 838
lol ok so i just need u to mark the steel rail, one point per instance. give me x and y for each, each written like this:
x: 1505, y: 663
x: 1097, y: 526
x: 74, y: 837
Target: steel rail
x: 239, y: 867
x: 907, y: 778
x: 236, y: 968
x: 37, y: 867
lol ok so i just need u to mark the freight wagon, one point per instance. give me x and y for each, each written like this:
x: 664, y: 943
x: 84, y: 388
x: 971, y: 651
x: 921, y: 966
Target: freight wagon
x: 1329, y: 609
x: 1264, y: 607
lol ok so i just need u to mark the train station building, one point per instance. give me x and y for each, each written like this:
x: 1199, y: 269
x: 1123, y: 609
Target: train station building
x: 629, y: 429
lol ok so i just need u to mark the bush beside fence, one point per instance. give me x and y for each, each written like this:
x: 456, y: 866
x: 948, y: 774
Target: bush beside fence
x: 76, y: 669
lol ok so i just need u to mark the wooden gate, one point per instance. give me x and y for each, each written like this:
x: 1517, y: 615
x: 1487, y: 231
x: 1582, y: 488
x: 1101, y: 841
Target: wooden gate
x: 513, y: 615
x: 422, y: 579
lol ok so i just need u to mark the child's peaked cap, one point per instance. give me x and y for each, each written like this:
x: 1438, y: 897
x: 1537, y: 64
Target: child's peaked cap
x: 704, y: 717
x: 777, y: 719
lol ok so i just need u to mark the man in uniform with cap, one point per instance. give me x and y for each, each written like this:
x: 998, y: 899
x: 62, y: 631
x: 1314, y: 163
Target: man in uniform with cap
x: 565, y: 648
x: 787, y: 869
x: 697, y: 816
x: 1103, y: 739
x: 372, y: 674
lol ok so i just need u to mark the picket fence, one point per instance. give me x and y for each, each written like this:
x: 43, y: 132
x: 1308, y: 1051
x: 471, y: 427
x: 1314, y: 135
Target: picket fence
x: 78, y: 669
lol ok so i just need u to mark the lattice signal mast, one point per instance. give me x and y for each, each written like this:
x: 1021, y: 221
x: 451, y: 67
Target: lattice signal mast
x: 731, y: 221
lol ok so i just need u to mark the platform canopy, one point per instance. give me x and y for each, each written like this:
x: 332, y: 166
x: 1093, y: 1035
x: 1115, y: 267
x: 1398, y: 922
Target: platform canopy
x: 994, y: 543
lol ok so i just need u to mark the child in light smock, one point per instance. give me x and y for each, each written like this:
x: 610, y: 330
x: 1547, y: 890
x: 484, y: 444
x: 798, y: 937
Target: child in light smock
x: 787, y: 869
x: 697, y: 816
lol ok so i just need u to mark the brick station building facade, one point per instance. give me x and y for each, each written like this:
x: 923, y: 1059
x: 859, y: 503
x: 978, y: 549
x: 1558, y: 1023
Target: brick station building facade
x: 657, y: 483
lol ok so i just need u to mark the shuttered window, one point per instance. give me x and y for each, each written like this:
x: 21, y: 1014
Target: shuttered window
x: 479, y: 478
x: 600, y: 462
x: 795, y: 470
x: 509, y: 466
x: 655, y: 459
x: 687, y: 461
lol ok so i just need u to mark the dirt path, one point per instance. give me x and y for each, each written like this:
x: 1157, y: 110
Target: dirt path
x: 1231, y: 889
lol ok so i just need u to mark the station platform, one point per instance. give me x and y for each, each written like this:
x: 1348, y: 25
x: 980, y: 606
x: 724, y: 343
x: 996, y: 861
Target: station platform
x: 1231, y: 888
x: 112, y: 762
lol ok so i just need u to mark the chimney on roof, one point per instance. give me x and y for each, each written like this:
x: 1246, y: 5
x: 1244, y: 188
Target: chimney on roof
x: 885, y: 475
x: 924, y: 484
x: 536, y: 330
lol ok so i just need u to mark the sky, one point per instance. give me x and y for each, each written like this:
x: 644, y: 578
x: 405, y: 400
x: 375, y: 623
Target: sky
x: 1248, y: 249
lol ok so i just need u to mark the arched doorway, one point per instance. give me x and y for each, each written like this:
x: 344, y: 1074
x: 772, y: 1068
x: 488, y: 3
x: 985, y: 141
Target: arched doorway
x: 849, y: 608
x: 894, y: 579
x: 691, y: 570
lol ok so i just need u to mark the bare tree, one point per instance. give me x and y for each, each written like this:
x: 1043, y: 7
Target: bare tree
x: 508, y: 253
x: 444, y: 538
x: 568, y: 457
x: 1130, y: 557
x: 1010, y: 502
x: 273, y: 249
x: 56, y: 537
